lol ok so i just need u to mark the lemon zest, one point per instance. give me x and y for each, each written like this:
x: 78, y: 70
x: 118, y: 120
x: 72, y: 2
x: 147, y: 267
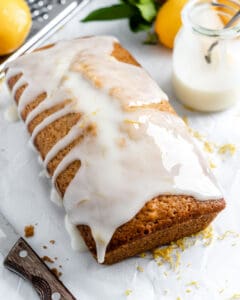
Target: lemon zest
x: 128, y: 292
x: 231, y: 148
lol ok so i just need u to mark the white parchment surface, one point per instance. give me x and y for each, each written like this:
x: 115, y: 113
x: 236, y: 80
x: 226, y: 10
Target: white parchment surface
x: 209, y: 271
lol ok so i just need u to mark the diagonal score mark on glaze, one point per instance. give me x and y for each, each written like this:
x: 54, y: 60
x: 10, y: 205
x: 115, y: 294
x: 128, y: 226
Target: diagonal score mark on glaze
x: 133, y: 155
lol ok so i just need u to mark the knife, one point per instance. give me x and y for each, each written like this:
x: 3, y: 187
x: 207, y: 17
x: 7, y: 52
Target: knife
x: 23, y: 260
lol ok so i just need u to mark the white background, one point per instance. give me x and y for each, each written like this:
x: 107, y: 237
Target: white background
x: 24, y: 199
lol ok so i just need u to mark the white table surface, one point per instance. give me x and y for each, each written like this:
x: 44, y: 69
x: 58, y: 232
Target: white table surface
x: 24, y: 199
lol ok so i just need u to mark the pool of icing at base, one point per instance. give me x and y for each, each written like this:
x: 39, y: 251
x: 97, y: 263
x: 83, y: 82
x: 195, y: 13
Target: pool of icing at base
x: 131, y: 155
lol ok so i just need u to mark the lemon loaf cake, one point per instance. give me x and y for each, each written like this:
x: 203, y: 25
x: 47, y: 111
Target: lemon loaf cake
x: 121, y: 161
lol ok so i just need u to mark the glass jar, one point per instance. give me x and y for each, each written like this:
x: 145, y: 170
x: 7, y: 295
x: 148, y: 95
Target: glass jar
x: 206, y: 57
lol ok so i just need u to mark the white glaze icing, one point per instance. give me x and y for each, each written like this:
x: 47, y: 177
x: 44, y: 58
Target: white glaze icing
x: 77, y: 242
x: 55, y: 197
x: 134, y: 155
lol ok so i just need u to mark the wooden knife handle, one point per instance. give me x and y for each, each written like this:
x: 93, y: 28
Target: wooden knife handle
x: 24, y: 261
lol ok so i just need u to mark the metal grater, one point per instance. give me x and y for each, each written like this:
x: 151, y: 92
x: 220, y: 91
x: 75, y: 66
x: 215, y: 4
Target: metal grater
x: 47, y: 16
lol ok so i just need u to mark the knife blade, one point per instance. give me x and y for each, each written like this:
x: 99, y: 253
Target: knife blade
x: 23, y: 260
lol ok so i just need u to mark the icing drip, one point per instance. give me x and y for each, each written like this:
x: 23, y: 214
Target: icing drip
x: 11, y: 113
x: 77, y: 242
x: 128, y: 155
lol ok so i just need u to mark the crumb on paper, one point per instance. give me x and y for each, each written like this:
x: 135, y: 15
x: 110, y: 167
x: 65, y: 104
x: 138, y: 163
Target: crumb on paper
x: 45, y: 247
x: 29, y: 231
x: 60, y: 266
x: 128, y: 292
x: 56, y: 272
x: 47, y: 259
x: 231, y: 148
x: 52, y: 242
x: 140, y: 269
x: 56, y: 258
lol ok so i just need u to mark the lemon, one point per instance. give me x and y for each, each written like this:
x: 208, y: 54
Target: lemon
x: 15, y: 24
x: 227, y: 12
x: 168, y: 21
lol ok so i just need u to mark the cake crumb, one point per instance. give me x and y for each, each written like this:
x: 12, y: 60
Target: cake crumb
x: 44, y: 247
x: 56, y: 272
x: 47, y: 259
x: 128, y: 292
x: 52, y: 242
x: 227, y: 148
x: 140, y: 269
x: 29, y: 231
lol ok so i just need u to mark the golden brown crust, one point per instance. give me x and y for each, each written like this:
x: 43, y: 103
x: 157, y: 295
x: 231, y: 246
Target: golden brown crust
x: 161, y: 220
x: 151, y: 240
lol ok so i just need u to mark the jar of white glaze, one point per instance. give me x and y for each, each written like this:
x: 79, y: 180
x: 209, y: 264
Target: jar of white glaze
x: 203, y: 79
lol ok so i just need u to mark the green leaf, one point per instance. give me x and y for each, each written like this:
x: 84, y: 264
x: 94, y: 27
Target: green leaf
x: 118, y: 11
x: 148, y: 9
x: 137, y: 23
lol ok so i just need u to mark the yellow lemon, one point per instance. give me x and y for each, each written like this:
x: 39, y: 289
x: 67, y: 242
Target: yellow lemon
x: 227, y: 12
x: 168, y: 21
x: 15, y: 24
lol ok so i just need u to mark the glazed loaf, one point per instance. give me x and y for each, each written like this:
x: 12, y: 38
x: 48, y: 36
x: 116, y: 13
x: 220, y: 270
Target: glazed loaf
x: 164, y: 217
